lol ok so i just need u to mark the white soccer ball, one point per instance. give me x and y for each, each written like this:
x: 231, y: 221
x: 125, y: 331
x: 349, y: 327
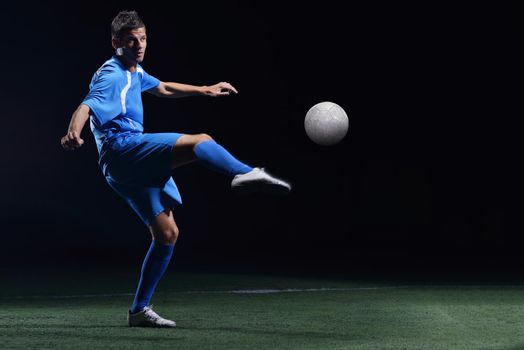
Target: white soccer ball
x: 326, y: 123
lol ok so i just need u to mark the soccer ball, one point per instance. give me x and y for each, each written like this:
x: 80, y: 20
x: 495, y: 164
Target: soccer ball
x: 326, y: 123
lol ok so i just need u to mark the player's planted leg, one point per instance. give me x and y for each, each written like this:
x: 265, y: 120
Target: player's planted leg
x: 165, y: 233
x: 153, y: 268
x: 148, y: 318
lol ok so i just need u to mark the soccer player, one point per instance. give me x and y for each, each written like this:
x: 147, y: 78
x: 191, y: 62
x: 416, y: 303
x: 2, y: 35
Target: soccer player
x: 137, y: 165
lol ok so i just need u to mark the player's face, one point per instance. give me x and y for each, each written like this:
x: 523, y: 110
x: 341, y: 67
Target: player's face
x: 135, y: 43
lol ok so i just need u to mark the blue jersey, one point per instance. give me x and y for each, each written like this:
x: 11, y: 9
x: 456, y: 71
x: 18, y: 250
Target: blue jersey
x: 135, y: 164
x: 115, y: 100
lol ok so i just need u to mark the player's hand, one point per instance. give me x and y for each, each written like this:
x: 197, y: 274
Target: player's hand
x: 71, y: 141
x: 220, y: 89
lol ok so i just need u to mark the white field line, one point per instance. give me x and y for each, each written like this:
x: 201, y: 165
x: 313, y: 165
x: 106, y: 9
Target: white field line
x: 259, y: 291
x: 234, y: 291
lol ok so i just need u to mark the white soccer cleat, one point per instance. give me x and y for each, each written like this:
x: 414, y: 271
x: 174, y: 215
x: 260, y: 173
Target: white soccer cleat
x: 148, y: 318
x: 258, y: 180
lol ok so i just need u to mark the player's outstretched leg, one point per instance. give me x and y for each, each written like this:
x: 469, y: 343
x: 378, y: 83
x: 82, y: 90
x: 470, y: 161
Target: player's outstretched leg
x: 165, y: 233
x: 258, y: 180
x: 246, y: 179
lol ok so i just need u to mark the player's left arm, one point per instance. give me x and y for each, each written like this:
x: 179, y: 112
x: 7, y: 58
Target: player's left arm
x: 177, y: 90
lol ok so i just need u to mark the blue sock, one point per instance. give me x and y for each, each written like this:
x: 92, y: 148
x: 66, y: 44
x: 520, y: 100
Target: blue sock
x: 153, y: 268
x: 216, y: 157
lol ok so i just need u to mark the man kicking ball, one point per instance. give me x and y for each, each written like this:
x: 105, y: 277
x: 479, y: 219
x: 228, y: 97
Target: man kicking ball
x: 138, y: 165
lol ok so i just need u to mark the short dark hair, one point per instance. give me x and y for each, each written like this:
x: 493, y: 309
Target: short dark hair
x: 125, y: 21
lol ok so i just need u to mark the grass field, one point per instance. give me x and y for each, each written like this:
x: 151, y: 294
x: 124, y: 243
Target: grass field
x: 87, y: 310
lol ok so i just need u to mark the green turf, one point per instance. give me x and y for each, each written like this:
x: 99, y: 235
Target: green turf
x: 53, y: 315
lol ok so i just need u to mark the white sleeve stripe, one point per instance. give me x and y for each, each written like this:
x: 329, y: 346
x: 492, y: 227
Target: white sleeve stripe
x: 124, y: 92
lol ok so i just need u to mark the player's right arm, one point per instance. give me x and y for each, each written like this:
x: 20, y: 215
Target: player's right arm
x: 72, y: 140
x: 176, y: 90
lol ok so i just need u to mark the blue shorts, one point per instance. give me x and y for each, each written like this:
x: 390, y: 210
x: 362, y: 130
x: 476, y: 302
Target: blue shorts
x: 138, y: 167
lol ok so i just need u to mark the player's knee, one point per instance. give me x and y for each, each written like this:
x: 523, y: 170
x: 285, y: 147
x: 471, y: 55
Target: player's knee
x: 204, y: 137
x: 167, y: 235
x: 173, y: 234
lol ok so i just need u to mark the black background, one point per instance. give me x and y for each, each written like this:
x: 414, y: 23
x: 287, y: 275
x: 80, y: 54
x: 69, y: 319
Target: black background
x: 422, y: 182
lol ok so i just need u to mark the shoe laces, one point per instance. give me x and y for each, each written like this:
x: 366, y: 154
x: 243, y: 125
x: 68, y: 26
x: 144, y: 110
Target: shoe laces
x: 150, y: 314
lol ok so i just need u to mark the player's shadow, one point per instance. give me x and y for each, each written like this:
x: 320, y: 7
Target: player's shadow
x: 273, y: 332
x: 66, y: 326
x: 514, y: 347
x: 134, y: 333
